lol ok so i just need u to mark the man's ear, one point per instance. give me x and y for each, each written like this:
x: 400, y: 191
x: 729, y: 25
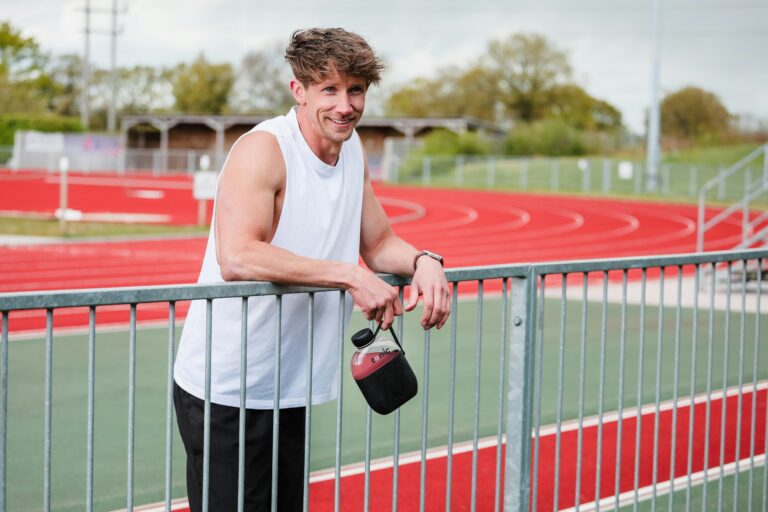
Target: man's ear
x: 297, y: 89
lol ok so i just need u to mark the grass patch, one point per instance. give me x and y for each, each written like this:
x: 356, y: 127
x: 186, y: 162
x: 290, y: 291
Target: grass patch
x: 50, y: 227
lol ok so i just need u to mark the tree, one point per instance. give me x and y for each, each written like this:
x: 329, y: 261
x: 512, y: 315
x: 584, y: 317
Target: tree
x: 526, y: 67
x: 692, y: 112
x: 23, y: 82
x: 202, y: 86
x: 261, y: 86
x: 575, y: 106
x: 453, y: 93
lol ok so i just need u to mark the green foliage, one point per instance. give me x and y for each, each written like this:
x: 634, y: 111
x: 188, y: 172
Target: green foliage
x: 453, y: 93
x: 24, y: 85
x: 10, y: 123
x: 527, y: 67
x: 520, y: 80
x: 695, y: 114
x: 553, y: 137
x: 444, y: 142
x: 202, y: 86
x: 261, y: 86
x: 576, y: 107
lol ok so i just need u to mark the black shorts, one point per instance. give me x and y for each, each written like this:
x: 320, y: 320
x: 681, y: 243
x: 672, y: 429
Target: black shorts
x: 224, y: 443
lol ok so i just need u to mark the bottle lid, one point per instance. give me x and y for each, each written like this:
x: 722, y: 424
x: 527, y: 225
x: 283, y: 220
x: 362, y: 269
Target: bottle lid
x: 362, y: 338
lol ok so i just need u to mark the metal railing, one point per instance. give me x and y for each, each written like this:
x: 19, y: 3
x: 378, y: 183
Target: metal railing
x: 754, y: 230
x: 510, y: 388
x: 587, y: 175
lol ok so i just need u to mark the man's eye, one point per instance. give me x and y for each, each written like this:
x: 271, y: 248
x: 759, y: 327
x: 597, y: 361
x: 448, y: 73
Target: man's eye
x: 329, y: 89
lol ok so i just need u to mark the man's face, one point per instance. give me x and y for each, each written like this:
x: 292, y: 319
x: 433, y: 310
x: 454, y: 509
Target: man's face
x: 332, y: 107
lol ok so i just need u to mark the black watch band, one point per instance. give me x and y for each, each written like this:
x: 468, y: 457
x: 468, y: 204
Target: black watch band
x: 431, y: 254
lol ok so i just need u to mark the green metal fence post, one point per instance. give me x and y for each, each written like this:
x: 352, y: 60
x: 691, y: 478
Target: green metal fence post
x: 520, y: 393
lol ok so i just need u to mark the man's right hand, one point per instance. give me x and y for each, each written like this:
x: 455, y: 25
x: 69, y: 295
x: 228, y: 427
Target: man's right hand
x: 378, y: 300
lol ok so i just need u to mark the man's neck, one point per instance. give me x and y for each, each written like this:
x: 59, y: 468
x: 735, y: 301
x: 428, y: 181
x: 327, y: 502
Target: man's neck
x: 326, y: 150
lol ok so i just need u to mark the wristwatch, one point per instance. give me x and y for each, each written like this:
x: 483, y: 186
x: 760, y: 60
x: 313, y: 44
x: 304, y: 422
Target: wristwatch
x: 431, y: 254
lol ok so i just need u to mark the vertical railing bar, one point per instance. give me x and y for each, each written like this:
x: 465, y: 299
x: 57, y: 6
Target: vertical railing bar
x: 396, y: 440
x: 620, y: 421
x: 517, y: 490
x: 755, y: 369
x: 91, y: 400
x: 207, y: 402
x: 131, y: 403
x: 308, y: 410
x: 242, y: 412
x: 726, y: 357
x: 424, y: 419
x: 367, y: 462
x: 476, y: 422
x: 676, y: 381
x: 169, y: 407
x: 710, y: 342
x: 3, y: 406
x: 276, y: 401
x: 502, y: 382
x: 742, y: 326
x: 640, y: 370
x: 657, y: 412
x: 339, y: 404
x: 367, y: 482
x: 537, y: 390
x: 48, y: 402
x: 451, y: 396
x: 561, y: 372
x: 601, y: 391
x: 757, y: 337
x: 367, y: 456
x: 691, y: 415
x: 582, y: 378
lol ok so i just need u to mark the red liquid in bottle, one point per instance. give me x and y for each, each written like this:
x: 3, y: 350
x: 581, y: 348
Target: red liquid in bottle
x: 365, y: 363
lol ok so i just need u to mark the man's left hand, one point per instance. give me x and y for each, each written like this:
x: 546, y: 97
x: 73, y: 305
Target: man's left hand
x: 429, y: 282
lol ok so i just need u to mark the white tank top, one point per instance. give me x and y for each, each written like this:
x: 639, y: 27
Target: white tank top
x: 320, y: 219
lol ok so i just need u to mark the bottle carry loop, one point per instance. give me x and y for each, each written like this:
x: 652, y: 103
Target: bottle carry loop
x: 394, y: 336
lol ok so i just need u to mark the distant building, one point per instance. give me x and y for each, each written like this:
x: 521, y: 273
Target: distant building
x: 217, y: 133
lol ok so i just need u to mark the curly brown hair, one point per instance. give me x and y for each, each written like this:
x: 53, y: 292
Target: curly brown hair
x: 316, y: 53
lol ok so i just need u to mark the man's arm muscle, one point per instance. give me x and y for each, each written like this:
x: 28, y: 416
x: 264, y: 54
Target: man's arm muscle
x: 251, y: 181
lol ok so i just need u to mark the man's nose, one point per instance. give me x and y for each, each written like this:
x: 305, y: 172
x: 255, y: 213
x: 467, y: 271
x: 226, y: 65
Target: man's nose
x: 344, y: 106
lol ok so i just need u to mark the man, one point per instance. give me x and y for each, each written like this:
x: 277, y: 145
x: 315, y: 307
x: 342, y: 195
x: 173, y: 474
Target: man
x: 294, y: 205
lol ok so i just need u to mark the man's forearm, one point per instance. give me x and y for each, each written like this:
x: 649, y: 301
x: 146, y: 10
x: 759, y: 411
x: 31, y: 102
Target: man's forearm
x: 393, y: 256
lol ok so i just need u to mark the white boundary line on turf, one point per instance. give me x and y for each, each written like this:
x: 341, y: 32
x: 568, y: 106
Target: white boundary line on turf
x: 664, y: 488
x: 644, y: 493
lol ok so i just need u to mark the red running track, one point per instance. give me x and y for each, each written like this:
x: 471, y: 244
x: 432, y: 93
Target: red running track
x: 469, y: 227
x: 704, y: 456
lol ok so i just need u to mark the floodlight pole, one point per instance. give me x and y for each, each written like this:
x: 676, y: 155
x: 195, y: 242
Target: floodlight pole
x: 84, y: 101
x: 652, y: 158
x: 111, y: 114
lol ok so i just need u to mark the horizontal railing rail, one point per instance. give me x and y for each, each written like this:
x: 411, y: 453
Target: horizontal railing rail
x: 146, y: 294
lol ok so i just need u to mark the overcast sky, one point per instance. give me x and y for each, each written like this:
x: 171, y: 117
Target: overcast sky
x: 719, y: 45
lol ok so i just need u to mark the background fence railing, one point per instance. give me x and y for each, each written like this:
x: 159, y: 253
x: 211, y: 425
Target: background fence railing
x: 604, y: 383
x: 569, y: 174
x: 541, y: 174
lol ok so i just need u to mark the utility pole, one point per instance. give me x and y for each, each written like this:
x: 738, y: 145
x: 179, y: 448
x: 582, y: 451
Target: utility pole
x: 111, y: 116
x: 652, y: 143
x: 113, y: 33
x: 84, y: 100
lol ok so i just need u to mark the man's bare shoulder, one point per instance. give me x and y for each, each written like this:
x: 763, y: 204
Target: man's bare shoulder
x: 257, y: 155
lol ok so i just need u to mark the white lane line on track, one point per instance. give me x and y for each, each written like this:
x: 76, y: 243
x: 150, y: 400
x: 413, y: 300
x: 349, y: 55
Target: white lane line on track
x: 144, y: 280
x: 417, y: 210
x: 121, y: 182
x: 466, y: 215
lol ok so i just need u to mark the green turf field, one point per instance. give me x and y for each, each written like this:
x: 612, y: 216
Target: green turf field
x: 26, y: 395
